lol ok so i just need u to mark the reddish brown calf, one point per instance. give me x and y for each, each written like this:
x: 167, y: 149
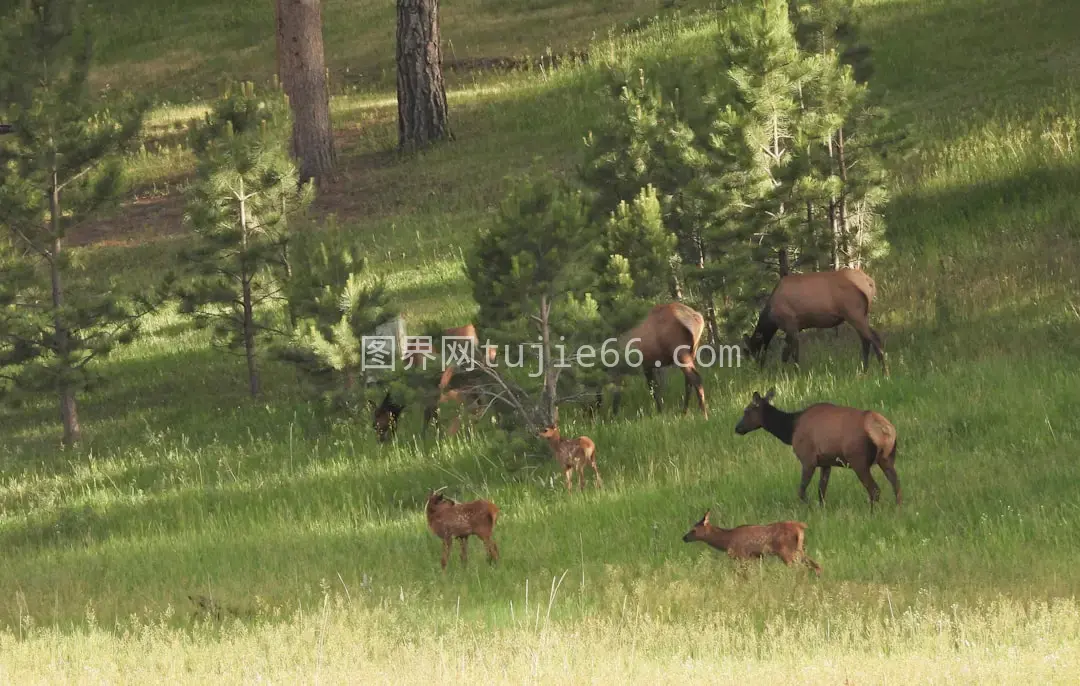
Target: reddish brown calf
x: 751, y: 541
x: 448, y: 520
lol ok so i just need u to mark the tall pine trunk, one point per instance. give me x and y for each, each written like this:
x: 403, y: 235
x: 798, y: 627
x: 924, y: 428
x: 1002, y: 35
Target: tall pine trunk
x: 550, y: 396
x: 246, y: 300
x: 421, y: 94
x: 707, y: 293
x: 302, y: 69
x: 841, y: 214
x: 69, y: 410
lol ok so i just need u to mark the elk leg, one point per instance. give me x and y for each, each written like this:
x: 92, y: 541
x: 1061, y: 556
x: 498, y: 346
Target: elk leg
x: 492, y: 549
x: 693, y: 380
x: 879, y: 349
x: 870, y: 338
x: 823, y: 484
x: 871, y: 485
x: 464, y: 541
x: 431, y: 416
x: 791, y: 338
x: 686, y: 392
x: 454, y: 426
x: 599, y: 481
x: 809, y: 563
x: 447, y: 542
x: 569, y: 479
x: 807, y: 474
x: 890, y: 474
x: 580, y: 478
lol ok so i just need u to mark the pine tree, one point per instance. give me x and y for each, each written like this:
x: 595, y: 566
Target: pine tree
x: 769, y: 73
x: 849, y: 168
x: 644, y: 142
x: 333, y: 304
x: 239, y: 206
x: 60, y: 166
x: 526, y: 271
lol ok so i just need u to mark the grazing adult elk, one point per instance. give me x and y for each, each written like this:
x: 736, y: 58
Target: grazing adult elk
x: 668, y: 335
x: 826, y: 436
x: 818, y: 300
x: 750, y: 541
x: 445, y: 393
x: 572, y: 454
x: 448, y: 519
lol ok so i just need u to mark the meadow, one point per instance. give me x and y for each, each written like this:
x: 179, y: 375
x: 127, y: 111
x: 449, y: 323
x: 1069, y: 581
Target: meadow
x: 312, y: 536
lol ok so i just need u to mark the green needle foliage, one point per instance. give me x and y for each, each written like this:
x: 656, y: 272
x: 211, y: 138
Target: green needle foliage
x: 550, y: 279
x: 239, y: 208
x: 60, y: 167
x: 333, y: 303
x: 766, y: 155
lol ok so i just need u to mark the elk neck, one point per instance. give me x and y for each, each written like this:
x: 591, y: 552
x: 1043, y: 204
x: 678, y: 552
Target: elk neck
x: 555, y: 441
x: 717, y: 537
x: 779, y: 423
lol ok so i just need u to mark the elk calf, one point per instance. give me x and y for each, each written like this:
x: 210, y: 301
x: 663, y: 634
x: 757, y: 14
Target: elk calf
x: 572, y: 454
x: 385, y: 418
x: 448, y: 519
x: 750, y: 541
x: 826, y: 436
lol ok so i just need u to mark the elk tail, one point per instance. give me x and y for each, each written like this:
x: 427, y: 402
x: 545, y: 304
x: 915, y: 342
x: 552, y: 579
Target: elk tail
x: 692, y: 320
x: 882, y: 435
x: 493, y: 512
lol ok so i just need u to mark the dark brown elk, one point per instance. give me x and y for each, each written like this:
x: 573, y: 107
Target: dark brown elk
x: 751, y: 541
x: 572, y: 454
x: 818, y: 300
x: 826, y: 436
x: 669, y: 335
x: 385, y: 418
x: 449, y: 520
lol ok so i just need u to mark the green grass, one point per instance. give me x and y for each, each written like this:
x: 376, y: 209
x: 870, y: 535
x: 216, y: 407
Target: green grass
x: 315, y: 533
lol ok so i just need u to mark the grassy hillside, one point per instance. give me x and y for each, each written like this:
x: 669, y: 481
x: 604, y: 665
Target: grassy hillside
x: 315, y: 534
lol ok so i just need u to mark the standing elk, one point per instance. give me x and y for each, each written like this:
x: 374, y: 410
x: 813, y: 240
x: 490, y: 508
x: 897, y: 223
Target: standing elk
x: 461, y: 396
x: 572, y: 454
x: 818, y: 300
x: 385, y: 416
x: 448, y: 520
x: 826, y: 436
x: 669, y: 335
x: 751, y: 541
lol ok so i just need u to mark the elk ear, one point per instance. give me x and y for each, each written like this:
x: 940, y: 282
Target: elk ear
x: 705, y: 519
x: 771, y: 394
x: 757, y: 397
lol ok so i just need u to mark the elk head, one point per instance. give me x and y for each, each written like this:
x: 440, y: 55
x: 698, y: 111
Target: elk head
x: 754, y: 414
x: 699, y: 530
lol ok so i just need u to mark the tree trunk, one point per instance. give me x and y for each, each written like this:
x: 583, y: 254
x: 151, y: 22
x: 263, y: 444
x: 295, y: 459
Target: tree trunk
x: 550, y: 401
x: 246, y: 300
x: 69, y: 410
x: 421, y: 94
x: 249, y: 339
x: 841, y: 214
x: 301, y: 65
x: 707, y: 292
x: 785, y: 260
